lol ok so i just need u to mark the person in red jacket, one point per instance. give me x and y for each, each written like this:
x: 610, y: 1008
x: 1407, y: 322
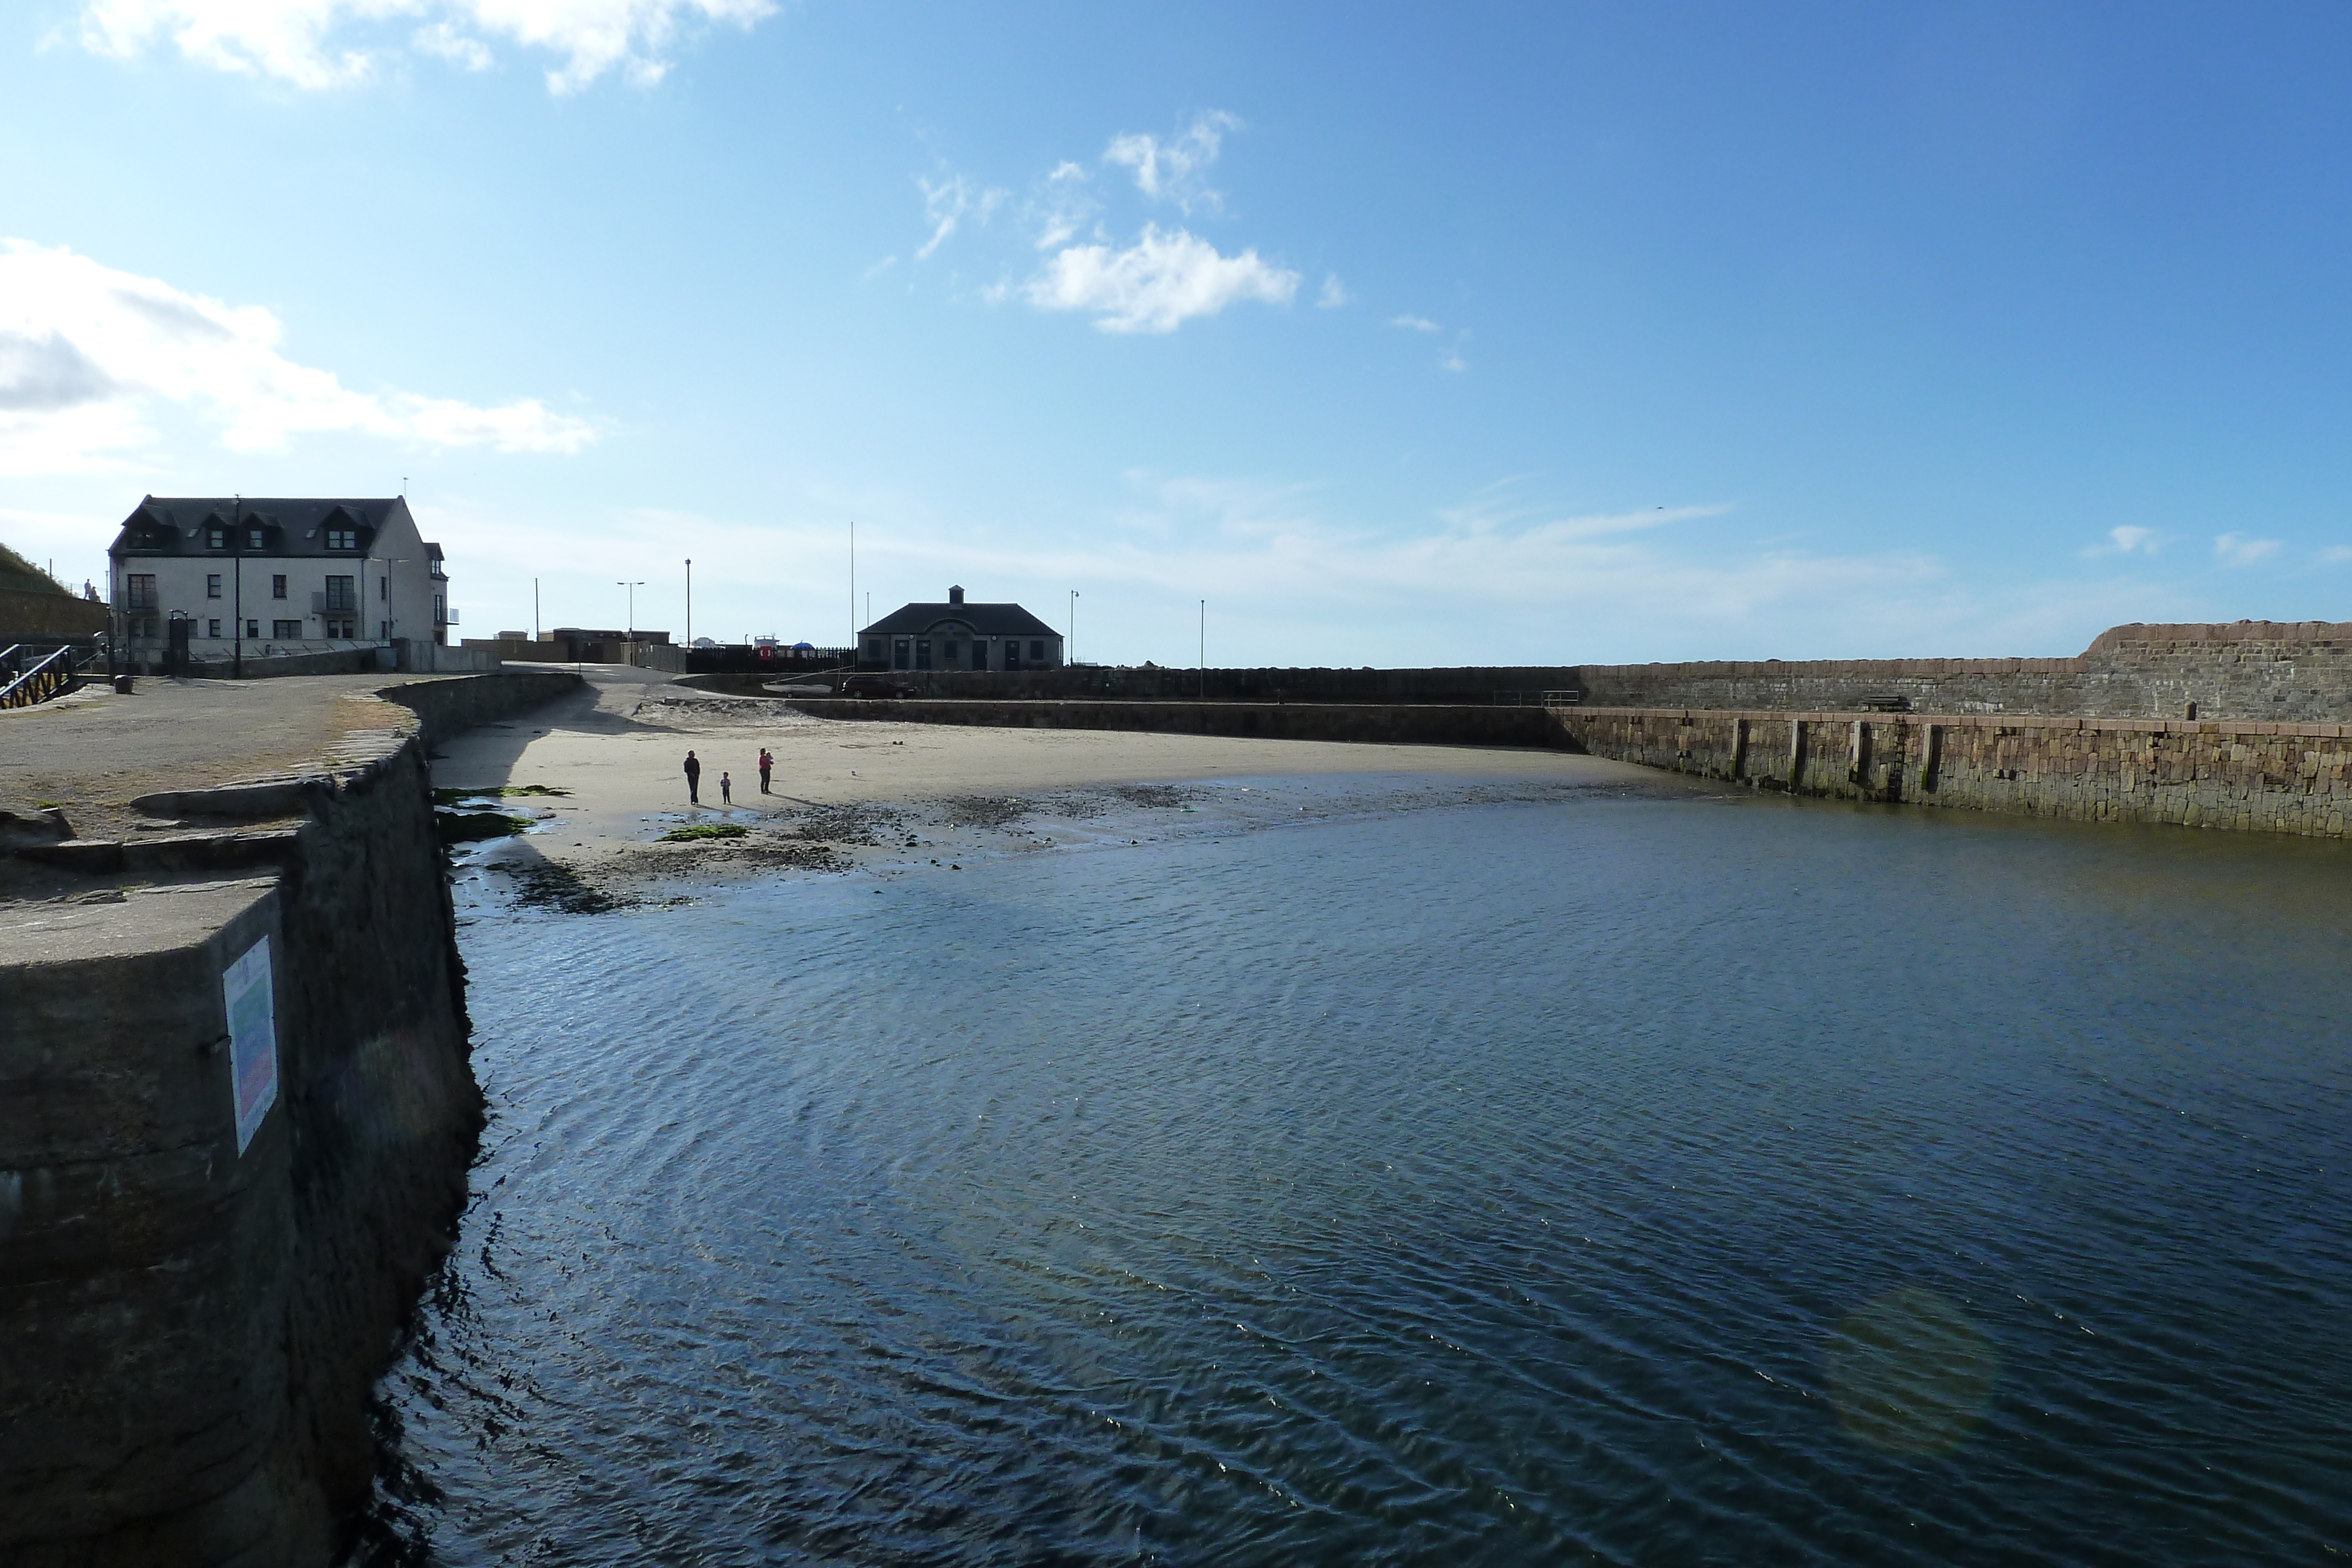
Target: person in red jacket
x: 766, y: 762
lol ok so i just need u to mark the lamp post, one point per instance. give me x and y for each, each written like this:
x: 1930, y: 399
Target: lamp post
x: 1204, y: 650
x: 631, y: 637
x: 1070, y: 649
x: 689, y: 601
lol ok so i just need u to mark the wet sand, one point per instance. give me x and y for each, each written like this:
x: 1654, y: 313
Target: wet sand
x: 879, y: 795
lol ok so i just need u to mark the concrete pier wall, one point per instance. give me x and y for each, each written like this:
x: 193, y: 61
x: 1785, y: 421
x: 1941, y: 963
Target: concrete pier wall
x: 193, y: 1331
x: 1409, y: 724
x: 2235, y: 774
x: 2272, y: 672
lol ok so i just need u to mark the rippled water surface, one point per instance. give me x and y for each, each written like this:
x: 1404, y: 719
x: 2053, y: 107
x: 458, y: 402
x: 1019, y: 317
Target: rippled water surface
x: 1649, y: 1181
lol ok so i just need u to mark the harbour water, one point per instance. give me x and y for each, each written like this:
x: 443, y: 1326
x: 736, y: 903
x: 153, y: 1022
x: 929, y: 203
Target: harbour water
x: 1605, y: 1180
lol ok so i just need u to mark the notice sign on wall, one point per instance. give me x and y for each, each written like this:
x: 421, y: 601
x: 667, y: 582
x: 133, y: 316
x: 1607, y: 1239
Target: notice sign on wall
x: 252, y: 1039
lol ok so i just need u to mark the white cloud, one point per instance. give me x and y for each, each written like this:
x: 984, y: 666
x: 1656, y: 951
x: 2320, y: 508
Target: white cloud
x: 1413, y: 323
x: 1062, y: 207
x: 947, y: 203
x: 86, y: 351
x: 323, y: 44
x: 1454, y: 361
x: 2236, y: 550
x: 2125, y: 541
x: 1174, y: 171
x: 2336, y: 555
x: 1334, y: 294
x: 1155, y: 284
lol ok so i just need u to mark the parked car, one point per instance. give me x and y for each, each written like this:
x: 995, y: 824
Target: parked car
x: 872, y: 686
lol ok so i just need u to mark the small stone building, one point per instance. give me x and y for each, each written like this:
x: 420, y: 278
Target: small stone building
x: 958, y: 635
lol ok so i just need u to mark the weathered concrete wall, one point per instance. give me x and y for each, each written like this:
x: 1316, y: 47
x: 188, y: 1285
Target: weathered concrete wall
x: 1409, y: 724
x: 1472, y: 686
x: 2269, y: 670
x: 2236, y: 774
x: 191, y: 1335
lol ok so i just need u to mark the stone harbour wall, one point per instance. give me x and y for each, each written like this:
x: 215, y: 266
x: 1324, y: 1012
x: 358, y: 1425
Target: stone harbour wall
x: 2235, y: 774
x: 193, y: 1333
x: 2270, y: 670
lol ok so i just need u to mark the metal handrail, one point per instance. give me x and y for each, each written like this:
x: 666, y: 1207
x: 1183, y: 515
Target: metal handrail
x: 49, y: 674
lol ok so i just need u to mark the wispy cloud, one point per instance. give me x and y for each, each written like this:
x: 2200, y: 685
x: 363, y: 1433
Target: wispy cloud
x: 321, y: 44
x: 1414, y: 323
x: 947, y: 202
x: 2237, y: 550
x: 2336, y: 555
x: 1334, y: 294
x: 1155, y: 284
x: 86, y: 351
x: 2126, y: 540
x: 1175, y: 169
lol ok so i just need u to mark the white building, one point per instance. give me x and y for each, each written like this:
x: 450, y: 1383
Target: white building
x: 262, y: 577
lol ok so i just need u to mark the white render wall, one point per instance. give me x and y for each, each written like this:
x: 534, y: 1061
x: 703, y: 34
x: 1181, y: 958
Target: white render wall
x: 394, y: 586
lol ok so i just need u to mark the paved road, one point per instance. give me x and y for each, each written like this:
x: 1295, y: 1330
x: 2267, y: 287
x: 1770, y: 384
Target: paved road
x: 93, y: 751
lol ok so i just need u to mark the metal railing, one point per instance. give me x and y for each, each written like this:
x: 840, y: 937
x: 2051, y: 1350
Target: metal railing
x: 35, y: 679
x: 1538, y: 699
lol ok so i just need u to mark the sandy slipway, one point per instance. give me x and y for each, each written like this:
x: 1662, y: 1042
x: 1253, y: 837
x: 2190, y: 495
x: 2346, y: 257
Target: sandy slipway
x: 885, y: 798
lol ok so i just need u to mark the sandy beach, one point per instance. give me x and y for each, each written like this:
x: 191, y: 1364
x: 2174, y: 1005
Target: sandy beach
x: 885, y: 797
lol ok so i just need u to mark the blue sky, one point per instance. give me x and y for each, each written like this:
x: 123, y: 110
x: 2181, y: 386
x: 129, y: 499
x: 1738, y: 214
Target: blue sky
x: 1399, y: 335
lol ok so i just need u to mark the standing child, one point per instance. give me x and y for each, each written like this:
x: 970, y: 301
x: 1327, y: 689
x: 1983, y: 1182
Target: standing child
x: 726, y: 789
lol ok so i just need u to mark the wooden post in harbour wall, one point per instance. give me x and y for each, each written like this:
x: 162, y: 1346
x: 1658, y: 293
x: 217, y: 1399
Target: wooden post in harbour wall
x: 1796, y: 754
x: 1738, y: 748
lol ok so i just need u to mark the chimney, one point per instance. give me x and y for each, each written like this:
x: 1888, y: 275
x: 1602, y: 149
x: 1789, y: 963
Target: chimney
x: 955, y: 596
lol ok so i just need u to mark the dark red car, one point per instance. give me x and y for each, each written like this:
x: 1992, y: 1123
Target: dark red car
x: 872, y: 686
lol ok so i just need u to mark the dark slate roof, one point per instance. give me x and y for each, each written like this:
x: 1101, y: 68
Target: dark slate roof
x: 174, y: 525
x: 988, y: 620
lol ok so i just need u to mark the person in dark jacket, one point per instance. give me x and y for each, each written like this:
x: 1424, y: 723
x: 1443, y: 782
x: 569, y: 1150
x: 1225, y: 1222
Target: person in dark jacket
x: 766, y: 764
x: 693, y: 780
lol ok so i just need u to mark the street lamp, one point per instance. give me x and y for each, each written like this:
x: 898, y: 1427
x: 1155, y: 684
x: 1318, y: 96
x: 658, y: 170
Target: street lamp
x: 1070, y: 650
x: 631, y: 637
x: 689, y: 601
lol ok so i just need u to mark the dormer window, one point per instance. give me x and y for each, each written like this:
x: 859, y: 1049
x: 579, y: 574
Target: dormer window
x: 437, y: 571
x: 253, y: 538
x: 342, y: 538
x: 216, y: 538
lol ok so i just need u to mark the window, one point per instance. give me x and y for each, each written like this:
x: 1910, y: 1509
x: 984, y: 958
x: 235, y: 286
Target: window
x: 217, y: 539
x: 902, y: 654
x: 139, y: 591
x: 253, y: 538
x: 285, y: 630
x: 342, y: 538
x: 383, y: 587
x: 922, y: 653
x: 874, y: 649
x: 440, y: 610
x: 212, y: 628
x: 1036, y: 651
x: 436, y: 570
x: 278, y: 585
x: 252, y: 628
x: 339, y: 597
x: 341, y: 626
x: 212, y: 585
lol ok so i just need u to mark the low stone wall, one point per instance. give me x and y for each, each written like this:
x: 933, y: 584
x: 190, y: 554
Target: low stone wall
x: 1473, y: 685
x: 2266, y: 671
x: 1406, y: 724
x: 2235, y: 774
x: 194, y: 1332
x: 455, y: 703
x: 271, y: 666
x: 42, y: 617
